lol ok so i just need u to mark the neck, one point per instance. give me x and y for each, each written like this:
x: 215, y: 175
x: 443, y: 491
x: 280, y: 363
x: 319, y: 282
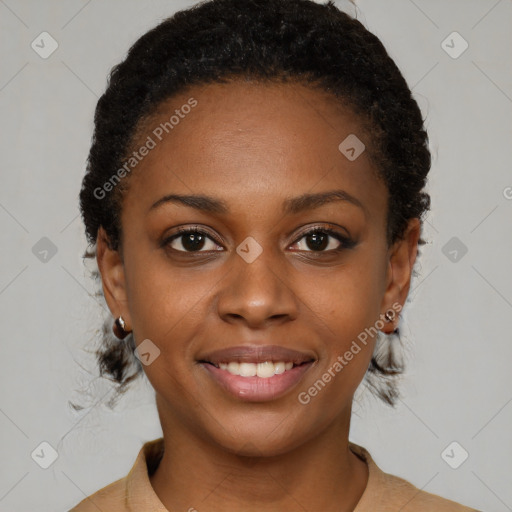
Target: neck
x: 198, y: 474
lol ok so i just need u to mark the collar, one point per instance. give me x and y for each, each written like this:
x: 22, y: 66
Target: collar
x: 141, y: 496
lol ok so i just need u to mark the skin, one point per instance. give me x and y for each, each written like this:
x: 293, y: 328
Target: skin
x: 253, y: 146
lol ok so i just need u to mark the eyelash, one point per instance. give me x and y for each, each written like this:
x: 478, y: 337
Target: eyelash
x: 346, y: 243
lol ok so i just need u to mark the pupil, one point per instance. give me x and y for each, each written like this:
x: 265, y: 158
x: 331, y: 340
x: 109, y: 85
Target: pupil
x: 323, y: 243
x: 198, y: 239
x: 194, y: 241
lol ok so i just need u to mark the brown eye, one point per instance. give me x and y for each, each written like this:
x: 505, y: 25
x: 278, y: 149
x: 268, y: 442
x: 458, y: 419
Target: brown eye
x: 192, y: 240
x: 318, y: 240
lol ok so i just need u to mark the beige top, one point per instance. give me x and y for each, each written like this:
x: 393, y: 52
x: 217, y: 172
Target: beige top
x: 383, y: 493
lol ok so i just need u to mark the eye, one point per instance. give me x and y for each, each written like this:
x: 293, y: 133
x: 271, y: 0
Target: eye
x: 193, y: 239
x: 319, y: 240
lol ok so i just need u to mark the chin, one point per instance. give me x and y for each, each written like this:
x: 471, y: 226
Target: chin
x: 262, y: 437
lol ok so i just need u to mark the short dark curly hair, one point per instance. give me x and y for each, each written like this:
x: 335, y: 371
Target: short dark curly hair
x: 299, y: 41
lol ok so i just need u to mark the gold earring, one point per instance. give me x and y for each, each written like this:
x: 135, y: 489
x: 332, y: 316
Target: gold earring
x: 119, y: 328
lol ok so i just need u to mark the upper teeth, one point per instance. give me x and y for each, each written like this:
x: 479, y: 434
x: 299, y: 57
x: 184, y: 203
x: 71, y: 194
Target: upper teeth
x: 265, y: 370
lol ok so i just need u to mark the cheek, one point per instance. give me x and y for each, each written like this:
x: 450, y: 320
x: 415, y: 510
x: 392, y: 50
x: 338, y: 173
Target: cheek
x: 345, y: 306
x: 167, y: 307
x: 347, y: 298
x: 168, y: 303
x: 160, y: 298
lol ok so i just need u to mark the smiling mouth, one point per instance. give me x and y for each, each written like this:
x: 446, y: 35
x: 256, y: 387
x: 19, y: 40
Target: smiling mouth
x: 264, y: 369
x: 257, y: 373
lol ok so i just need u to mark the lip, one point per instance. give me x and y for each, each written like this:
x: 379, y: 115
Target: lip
x: 257, y: 389
x: 257, y: 354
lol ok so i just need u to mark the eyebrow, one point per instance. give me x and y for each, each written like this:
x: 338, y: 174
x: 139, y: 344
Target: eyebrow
x: 292, y: 205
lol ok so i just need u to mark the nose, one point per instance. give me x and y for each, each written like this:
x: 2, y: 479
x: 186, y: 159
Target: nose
x: 257, y: 293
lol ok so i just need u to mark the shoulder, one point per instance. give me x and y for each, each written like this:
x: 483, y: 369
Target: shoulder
x: 409, y: 498
x: 132, y: 492
x: 112, y: 498
x: 390, y: 493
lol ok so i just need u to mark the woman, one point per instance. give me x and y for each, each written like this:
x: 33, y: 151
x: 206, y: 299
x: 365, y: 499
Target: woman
x: 254, y: 199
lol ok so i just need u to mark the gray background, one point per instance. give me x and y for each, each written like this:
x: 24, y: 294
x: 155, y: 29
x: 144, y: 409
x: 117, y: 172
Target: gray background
x: 458, y: 384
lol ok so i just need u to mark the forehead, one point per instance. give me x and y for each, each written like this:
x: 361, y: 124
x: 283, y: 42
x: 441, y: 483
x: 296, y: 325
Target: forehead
x: 242, y: 141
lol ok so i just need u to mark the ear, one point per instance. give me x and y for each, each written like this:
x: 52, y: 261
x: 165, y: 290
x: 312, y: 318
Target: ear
x: 402, y: 256
x: 111, y: 267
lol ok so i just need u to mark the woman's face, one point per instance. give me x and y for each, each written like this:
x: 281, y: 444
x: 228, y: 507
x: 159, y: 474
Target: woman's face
x: 255, y: 279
